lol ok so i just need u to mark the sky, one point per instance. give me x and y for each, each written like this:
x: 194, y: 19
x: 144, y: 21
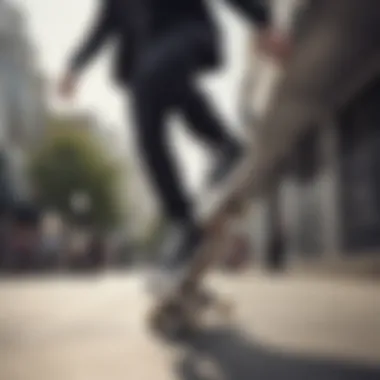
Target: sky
x: 56, y: 27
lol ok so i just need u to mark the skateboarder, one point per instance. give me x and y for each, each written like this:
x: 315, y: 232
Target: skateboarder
x: 162, y: 45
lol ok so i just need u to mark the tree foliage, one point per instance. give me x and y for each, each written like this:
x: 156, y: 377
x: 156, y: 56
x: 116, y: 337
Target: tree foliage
x: 71, y: 161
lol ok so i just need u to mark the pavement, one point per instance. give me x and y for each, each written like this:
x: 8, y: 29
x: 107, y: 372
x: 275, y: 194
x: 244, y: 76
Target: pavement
x: 92, y: 328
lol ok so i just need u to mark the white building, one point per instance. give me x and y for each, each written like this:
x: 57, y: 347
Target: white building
x: 21, y: 95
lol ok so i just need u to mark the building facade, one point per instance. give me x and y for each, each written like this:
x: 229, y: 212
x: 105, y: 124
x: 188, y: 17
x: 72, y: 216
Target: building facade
x: 22, y: 110
x: 324, y: 208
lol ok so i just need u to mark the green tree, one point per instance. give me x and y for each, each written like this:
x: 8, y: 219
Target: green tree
x: 72, y: 161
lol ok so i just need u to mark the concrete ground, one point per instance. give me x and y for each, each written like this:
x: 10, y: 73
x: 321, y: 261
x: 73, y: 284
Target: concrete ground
x: 92, y: 328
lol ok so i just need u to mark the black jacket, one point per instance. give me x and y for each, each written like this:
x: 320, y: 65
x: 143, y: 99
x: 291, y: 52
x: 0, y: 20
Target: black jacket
x: 122, y: 21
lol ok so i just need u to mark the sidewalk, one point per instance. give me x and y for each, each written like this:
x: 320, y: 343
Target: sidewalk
x: 284, y: 328
x: 325, y: 316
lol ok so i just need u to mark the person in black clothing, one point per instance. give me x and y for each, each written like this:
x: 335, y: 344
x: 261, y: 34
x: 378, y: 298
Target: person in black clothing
x: 161, y: 46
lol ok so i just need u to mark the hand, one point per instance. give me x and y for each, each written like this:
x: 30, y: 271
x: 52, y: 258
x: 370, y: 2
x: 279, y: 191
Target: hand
x: 274, y: 44
x: 67, y: 86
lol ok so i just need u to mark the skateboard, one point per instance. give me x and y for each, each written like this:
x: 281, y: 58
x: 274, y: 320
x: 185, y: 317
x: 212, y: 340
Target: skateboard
x: 181, y: 316
x: 183, y: 312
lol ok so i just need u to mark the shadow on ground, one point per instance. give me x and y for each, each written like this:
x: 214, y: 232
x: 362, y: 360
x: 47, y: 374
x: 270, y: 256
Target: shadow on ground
x: 236, y: 358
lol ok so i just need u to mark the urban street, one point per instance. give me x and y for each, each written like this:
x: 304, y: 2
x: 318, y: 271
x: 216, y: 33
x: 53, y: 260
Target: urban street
x: 93, y: 327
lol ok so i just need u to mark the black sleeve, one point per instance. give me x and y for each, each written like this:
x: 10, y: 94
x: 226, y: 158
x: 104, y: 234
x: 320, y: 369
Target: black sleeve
x: 258, y: 11
x: 98, y: 34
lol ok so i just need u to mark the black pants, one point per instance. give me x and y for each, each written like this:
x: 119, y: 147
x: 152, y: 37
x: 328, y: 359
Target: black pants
x: 164, y: 82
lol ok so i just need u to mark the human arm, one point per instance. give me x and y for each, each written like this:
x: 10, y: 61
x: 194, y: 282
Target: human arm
x: 271, y: 39
x: 97, y: 36
x: 99, y: 32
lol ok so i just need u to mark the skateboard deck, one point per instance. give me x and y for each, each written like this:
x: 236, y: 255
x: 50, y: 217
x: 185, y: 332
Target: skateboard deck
x: 182, y: 311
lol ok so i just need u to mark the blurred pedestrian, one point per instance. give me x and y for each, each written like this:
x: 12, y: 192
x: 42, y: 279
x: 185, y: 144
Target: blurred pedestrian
x: 25, y: 238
